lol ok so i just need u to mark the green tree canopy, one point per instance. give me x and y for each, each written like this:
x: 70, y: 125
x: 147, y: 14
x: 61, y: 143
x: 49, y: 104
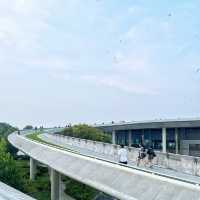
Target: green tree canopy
x: 6, y: 129
x: 28, y: 127
x: 8, y: 169
x: 86, y: 132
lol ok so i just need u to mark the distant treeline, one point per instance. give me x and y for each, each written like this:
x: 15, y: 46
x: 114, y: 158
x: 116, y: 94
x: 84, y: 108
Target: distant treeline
x: 84, y: 131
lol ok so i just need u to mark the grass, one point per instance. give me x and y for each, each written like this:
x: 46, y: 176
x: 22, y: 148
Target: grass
x: 34, y: 136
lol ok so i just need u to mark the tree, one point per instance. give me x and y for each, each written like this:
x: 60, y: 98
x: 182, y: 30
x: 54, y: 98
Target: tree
x: 28, y: 127
x: 5, y: 130
x: 86, y: 132
x: 8, y: 169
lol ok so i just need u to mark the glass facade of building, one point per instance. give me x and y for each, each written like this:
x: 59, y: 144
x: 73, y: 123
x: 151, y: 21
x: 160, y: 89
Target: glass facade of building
x: 147, y: 137
x: 122, y: 137
x: 137, y: 137
x: 171, y: 145
x: 189, y: 133
x: 153, y: 137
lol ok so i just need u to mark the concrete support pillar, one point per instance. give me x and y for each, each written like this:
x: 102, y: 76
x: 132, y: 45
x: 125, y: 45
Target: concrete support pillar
x: 176, y: 141
x: 129, y: 138
x: 33, y: 169
x: 55, y: 185
x: 114, y: 137
x: 49, y: 171
x: 164, y: 140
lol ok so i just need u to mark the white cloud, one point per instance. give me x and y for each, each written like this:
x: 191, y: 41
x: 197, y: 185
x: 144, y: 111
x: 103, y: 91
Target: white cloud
x: 22, y: 22
x: 151, y: 31
x: 135, y: 10
x: 116, y: 82
x: 49, y: 63
x: 132, y: 62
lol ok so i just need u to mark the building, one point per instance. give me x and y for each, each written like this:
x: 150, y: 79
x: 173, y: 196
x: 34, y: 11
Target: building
x: 175, y: 136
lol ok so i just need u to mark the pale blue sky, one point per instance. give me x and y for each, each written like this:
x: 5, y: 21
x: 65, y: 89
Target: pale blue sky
x: 87, y: 61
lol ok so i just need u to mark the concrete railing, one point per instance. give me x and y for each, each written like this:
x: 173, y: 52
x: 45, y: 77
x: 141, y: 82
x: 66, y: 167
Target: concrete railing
x: 182, y: 163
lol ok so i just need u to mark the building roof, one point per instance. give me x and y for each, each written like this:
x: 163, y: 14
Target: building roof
x: 157, y: 123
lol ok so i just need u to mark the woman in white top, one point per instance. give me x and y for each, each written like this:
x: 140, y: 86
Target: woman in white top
x: 123, y: 155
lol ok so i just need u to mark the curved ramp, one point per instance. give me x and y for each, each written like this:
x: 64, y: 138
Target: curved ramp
x: 115, y: 180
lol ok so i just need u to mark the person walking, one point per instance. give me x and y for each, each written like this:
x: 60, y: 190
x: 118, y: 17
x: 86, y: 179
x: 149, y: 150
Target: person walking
x: 141, y: 155
x: 151, y: 154
x: 123, y: 155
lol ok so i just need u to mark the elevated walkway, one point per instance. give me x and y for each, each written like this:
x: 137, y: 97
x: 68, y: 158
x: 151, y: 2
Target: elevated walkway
x: 119, y: 181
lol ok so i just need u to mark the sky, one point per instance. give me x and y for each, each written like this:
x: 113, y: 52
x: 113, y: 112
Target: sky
x: 94, y: 61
